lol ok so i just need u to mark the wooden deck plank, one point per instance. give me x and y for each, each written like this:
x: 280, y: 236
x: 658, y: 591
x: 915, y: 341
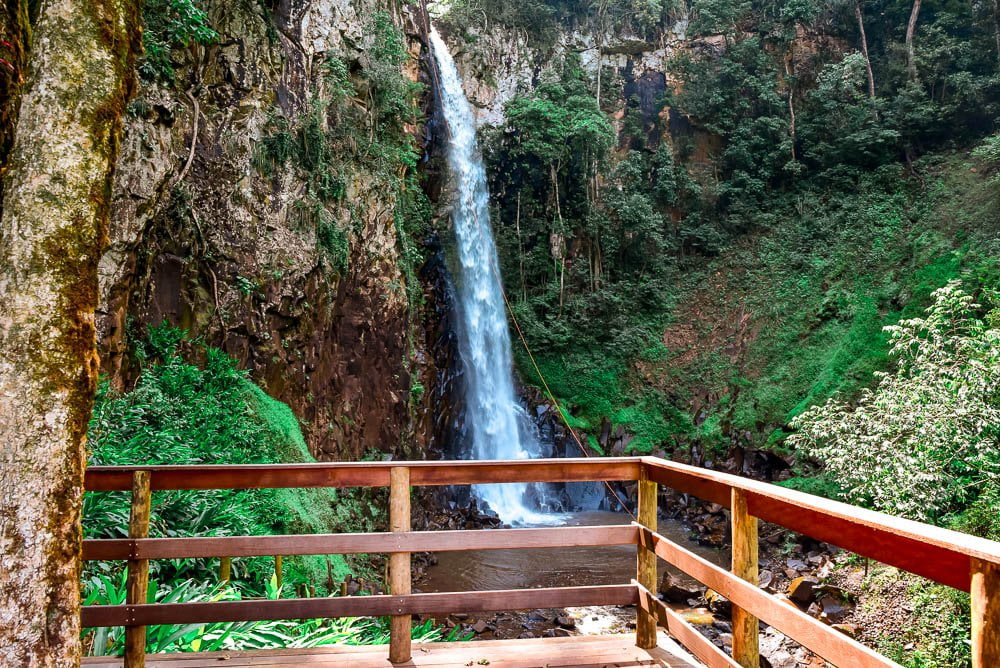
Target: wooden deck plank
x: 616, y: 650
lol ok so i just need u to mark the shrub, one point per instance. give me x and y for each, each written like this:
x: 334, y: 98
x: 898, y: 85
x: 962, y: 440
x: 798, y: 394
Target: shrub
x: 168, y: 25
x: 924, y: 442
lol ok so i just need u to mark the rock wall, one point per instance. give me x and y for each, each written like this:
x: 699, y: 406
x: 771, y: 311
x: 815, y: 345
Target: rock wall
x: 498, y: 64
x: 205, y: 240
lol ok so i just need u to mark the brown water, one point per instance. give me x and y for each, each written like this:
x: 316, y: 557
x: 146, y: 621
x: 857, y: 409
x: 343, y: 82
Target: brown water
x: 555, y: 567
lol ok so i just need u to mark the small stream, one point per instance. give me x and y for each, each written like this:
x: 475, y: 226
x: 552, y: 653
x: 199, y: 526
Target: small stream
x: 557, y: 567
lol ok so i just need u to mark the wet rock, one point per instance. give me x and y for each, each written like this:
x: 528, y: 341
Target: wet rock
x: 480, y: 626
x: 802, y: 590
x: 566, y: 622
x: 796, y: 564
x: 847, y: 629
x: 722, y: 626
x: 833, y: 609
x: 557, y: 633
x: 718, y: 603
x: 675, y: 590
x: 764, y: 579
x: 698, y: 617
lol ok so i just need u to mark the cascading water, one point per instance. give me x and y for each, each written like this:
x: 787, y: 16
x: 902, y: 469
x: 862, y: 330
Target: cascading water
x: 498, y: 424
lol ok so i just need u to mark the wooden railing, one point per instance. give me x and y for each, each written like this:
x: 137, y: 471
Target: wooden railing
x: 958, y: 560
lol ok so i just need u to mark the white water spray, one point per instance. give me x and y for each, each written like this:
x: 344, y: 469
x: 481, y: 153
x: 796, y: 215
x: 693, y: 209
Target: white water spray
x: 496, y: 417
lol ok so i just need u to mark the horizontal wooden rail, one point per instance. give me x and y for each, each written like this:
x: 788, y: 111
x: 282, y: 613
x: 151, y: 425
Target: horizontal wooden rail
x: 938, y: 554
x: 357, y: 606
x: 809, y: 631
x: 358, y: 543
x: 364, y: 474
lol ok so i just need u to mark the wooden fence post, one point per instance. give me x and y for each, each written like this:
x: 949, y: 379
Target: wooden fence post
x: 279, y: 575
x: 399, y: 563
x: 985, y: 598
x: 137, y: 578
x: 746, y: 639
x: 645, y: 622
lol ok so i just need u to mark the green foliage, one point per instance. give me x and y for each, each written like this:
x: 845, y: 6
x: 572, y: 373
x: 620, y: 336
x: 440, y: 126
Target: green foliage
x: 835, y: 263
x: 181, y: 413
x: 939, y: 635
x: 924, y: 442
x: 818, y: 485
x: 169, y: 25
x: 988, y: 155
x: 235, y: 636
x: 843, y: 126
x: 539, y: 21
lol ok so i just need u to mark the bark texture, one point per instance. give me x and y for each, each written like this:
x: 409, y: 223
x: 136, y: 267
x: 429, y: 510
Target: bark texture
x: 52, y: 231
x: 911, y: 29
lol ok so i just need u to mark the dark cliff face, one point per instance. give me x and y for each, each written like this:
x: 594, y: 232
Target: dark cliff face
x: 310, y: 296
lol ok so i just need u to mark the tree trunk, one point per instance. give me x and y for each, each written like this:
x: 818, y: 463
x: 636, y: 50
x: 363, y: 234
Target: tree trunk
x: 52, y: 231
x: 996, y: 27
x: 911, y: 28
x: 864, y: 49
x: 15, y: 33
x: 791, y: 102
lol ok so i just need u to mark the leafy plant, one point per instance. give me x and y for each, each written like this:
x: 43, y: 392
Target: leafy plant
x: 231, y: 636
x: 181, y: 413
x: 169, y: 25
x: 924, y: 441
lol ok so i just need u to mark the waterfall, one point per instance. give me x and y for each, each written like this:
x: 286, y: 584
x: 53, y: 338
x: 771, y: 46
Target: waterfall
x: 499, y: 428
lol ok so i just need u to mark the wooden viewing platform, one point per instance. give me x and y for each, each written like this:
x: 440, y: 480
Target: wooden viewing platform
x: 954, y: 559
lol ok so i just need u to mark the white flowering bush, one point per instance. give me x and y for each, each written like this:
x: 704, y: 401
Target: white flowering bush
x: 925, y: 442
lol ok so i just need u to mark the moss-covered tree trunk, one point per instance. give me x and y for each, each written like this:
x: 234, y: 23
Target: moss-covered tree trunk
x: 53, y: 225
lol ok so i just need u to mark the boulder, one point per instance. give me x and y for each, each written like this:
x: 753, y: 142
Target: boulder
x: 566, y: 622
x: 675, y: 590
x: 718, y: 603
x: 847, y: 629
x: 802, y: 590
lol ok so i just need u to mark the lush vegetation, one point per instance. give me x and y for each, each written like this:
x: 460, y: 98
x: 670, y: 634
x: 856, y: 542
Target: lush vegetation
x: 221, y: 636
x: 170, y: 25
x: 728, y: 257
x: 180, y: 412
x: 923, y: 442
